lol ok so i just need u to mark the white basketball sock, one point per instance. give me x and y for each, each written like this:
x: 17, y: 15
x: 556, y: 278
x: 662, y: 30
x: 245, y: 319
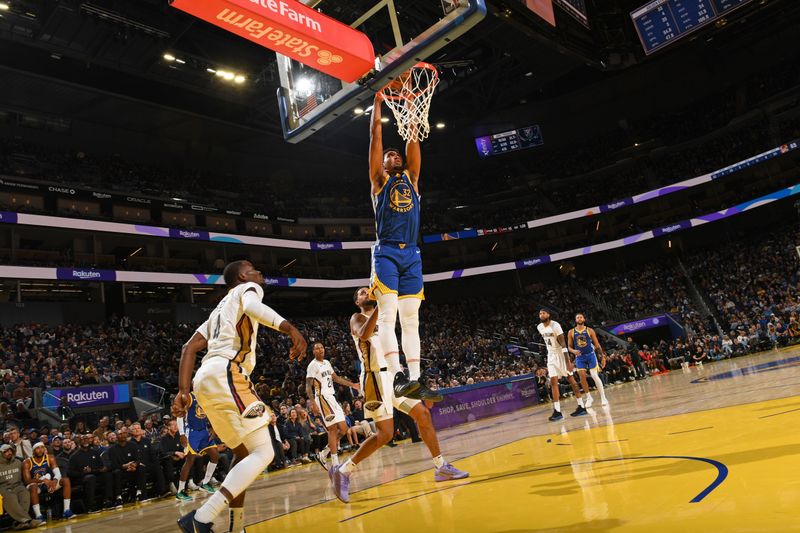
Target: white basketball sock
x: 409, y: 324
x: 580, y: 402
x: 240, y: 476
x: 334, y: 459
x: 439, y: 461
x: 557, y: 406
x: 210, y: 467
x: 347, y: 467
x: 37, y: 510
x: 181, y: 486
x: 67, y: 502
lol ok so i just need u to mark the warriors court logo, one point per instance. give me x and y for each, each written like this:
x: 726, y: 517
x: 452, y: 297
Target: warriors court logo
x: 400, y: 197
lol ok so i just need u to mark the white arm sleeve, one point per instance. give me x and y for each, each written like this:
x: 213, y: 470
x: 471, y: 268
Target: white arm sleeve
x: 181, y: 426
x: 260, y: 312
x: 57, y: 474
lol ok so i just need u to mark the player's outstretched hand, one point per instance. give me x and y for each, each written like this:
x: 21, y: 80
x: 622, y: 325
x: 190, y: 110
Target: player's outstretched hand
x: 180, y: 404
x: 298, y: 350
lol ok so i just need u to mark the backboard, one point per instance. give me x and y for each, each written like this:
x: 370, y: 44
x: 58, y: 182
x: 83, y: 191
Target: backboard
x: 309, y: 99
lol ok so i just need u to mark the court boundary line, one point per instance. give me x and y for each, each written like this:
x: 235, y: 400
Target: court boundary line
x: 722, y: 475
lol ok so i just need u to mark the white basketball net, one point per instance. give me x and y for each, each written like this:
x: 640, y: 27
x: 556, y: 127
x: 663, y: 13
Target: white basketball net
x: 409, y: 98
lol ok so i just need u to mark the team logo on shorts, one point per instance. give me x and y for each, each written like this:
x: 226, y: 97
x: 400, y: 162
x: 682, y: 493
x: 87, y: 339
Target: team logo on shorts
x: 400, y: 197
x: 199, y: 413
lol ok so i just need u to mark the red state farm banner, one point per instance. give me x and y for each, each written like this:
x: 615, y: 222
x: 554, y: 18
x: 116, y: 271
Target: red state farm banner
x: 292, y: 29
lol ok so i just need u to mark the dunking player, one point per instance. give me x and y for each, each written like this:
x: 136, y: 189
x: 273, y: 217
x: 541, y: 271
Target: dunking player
x: 582, y: 342
x: 559, y: 364
x: 396, y: 261
x: 197, y: 439
x: 223, y: 389
x: 320, y: 377
x: 41, y: 474
x: 380, y: 402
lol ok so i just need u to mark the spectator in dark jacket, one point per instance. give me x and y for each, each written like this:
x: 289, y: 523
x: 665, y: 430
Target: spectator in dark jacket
x: 129, y: 471
x: 172, y: 453
x: 86, y: 469
x: 150, y: 457
x: 293, y: 434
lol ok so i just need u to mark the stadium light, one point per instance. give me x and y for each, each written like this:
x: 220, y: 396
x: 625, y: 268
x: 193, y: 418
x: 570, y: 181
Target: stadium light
x: 4, y: 6
x: 179, y: 60
x: 358, y: 111
x: 169, y: 57
x: 384, y: 119
x: 211, y: 71
x: 305, y: 86
x: 440, y: 125
x: 239, y: 79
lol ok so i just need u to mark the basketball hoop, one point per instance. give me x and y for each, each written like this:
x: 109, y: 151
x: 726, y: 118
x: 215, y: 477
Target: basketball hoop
x: 409, y: 98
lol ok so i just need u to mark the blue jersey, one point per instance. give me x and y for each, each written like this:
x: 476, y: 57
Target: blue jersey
x: 196, y: 419
x: 582, y: 341
x: 397, y: 211
x: 40, y: 469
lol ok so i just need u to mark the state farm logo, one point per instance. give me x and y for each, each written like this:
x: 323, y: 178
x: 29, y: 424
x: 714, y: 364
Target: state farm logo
x: 325, y: 57
x: 282, y: 8
x: 260, y: 30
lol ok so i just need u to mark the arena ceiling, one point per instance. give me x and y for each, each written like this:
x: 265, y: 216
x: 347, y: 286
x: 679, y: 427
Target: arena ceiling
x: 103, y: 61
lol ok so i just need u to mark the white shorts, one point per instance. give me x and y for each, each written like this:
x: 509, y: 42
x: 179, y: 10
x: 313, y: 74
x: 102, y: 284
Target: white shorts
x: 332, y: 412
x: 557, y: 365
x: 378, y: 387
x: 226, y: 394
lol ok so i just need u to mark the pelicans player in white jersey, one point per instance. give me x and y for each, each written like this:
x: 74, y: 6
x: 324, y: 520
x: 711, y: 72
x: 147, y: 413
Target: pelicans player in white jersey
x: 223, y: 389
x: 559, y: 363
x: 380, y: 402
x: 320, y: 377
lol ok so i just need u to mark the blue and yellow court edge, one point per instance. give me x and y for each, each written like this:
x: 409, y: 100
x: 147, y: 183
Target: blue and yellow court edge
x: 733, y: 468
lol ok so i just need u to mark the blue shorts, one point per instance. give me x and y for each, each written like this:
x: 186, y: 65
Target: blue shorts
x: 397, y: 270
x: 587, y: 361
x: 199, y: 441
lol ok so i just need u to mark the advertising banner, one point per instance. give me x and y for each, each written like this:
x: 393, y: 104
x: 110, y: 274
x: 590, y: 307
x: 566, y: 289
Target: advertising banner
x: 467, y: 404
x: 291, y: 29
x: 89, y: 396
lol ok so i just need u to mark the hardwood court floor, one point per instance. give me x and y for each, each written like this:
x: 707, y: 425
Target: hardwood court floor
x: 712, y: 449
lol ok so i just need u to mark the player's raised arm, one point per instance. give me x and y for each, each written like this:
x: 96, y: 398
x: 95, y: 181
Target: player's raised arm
x: 264, y: 314
x: 413, y: 159
x: 377, y: 174
x: 363, y: 327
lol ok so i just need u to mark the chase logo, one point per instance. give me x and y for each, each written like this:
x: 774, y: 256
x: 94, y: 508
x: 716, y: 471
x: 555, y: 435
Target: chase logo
x: 400, y: 199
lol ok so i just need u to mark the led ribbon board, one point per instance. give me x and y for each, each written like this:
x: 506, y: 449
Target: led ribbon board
x: 291, y: 29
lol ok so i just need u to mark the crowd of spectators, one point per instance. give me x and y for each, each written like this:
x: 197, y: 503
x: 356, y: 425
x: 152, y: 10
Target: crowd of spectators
x: 660, y: 149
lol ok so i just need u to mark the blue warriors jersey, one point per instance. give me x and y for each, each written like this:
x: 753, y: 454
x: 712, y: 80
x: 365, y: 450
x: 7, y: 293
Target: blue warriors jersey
x: 397, y: 211
x: 41, y: 469
x: 582, y: 341
x: 196, y: 419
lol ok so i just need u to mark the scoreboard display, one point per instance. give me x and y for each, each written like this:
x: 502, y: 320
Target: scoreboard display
x: 661, y: 22
x: 509, y: 141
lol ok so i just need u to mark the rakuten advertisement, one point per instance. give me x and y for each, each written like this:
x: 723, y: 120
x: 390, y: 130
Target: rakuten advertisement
x: 292, y: 29
x: 89, y: 396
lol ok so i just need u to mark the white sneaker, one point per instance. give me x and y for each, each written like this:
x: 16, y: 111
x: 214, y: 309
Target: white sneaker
x: 604, y: 401
x: 191, y: 486
x: 589, y: 401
